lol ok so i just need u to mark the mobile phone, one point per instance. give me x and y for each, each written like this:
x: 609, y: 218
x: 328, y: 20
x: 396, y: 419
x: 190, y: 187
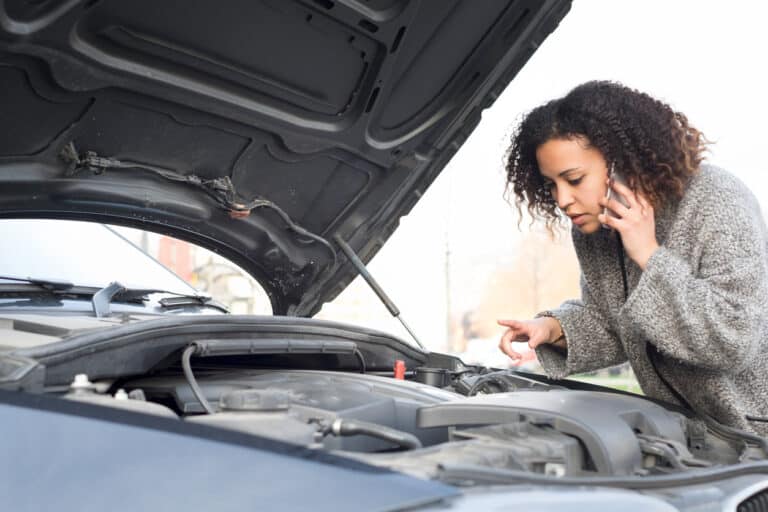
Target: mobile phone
x: 614, y: 177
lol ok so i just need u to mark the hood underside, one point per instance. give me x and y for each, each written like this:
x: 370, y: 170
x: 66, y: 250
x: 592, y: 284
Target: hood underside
x: 263, y: 130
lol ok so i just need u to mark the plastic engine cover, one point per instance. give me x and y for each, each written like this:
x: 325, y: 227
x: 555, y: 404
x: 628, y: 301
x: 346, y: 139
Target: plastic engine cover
x: 605, y: 423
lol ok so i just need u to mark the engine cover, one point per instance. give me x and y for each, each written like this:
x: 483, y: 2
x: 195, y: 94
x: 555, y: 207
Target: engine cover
x: 607, y: 424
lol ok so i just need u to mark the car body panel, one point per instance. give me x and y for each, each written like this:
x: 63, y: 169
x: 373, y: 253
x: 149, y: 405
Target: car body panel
x: 73, y: 456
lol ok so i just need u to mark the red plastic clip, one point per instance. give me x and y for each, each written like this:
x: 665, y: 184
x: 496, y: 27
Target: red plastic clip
x: 399, y: 369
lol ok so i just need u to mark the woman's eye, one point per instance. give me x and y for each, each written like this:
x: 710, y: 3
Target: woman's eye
x: 575, y: 181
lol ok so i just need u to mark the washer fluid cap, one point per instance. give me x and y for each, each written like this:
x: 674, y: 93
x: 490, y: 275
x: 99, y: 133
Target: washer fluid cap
x: 256, y: 400
x: 81, y: 383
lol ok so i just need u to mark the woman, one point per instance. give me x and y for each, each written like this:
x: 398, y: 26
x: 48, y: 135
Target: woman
x: 673, y: 264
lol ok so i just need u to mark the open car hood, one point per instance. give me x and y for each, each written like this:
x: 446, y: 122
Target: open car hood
x: 264, y: 130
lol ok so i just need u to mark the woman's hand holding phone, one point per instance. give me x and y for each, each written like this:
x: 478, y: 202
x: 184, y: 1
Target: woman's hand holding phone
x: 633, y: 218
x: 536, y: 332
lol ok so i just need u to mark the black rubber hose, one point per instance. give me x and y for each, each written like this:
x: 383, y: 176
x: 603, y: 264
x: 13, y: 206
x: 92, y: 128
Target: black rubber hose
x: 354, y: 427
x: 187, y: 366
x: 486, y: 379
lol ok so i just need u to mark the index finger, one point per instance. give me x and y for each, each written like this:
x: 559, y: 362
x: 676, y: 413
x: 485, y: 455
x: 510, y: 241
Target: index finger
x: 625, y: 192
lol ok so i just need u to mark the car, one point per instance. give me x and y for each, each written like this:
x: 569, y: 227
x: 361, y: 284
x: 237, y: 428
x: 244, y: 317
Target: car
x: 288, y: 137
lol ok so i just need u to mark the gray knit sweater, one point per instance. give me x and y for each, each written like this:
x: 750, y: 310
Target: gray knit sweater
x: 701, y: 301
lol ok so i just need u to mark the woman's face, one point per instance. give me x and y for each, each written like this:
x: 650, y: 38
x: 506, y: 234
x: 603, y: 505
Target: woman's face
x: 576, y: 175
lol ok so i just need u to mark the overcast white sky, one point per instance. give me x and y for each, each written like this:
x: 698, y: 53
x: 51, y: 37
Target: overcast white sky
x: 705, y: 58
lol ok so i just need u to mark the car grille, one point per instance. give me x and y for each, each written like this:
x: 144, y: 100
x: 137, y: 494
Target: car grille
x: 755, y: 503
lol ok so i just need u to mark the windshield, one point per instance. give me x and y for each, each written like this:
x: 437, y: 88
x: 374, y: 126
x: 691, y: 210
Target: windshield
x: 83, y: 253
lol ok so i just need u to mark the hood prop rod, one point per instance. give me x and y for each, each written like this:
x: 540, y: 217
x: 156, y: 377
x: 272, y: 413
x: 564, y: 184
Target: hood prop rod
x: 360, y: 266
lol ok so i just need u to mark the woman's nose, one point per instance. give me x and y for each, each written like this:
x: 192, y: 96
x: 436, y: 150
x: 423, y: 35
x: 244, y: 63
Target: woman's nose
x: 563, y: 197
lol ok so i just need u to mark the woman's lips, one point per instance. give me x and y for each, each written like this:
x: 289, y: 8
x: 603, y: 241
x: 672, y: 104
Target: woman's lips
x: 579, y: 219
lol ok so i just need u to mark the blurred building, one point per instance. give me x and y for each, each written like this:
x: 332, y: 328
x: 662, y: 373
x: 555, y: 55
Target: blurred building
x: 205, y: 270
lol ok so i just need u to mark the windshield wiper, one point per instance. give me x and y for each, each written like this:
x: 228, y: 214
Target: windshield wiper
x: 102, y: 298
x: 179, y: 300
x: 47, y: 284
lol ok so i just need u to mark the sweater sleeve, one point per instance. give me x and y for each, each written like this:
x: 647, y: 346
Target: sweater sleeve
x: 707, y: 313
x: 592, y: 344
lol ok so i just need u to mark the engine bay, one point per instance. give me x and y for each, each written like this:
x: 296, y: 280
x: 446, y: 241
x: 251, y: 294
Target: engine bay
x: 491, y: 419
x: 364, y: 395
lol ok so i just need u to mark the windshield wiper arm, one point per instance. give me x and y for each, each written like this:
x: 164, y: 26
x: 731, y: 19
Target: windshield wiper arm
x: 179, y: 300
x: 47, y: 284
x: 103, y: 297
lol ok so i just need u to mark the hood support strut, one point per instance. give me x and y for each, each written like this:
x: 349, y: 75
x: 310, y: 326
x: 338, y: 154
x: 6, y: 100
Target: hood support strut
x: 360, y: 266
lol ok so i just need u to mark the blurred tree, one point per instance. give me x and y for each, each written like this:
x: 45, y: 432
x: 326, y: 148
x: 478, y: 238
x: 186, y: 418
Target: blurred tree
x: 541, y: 275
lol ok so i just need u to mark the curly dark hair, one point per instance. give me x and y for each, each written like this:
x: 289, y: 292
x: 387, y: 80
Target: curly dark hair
x: 655, y: 147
